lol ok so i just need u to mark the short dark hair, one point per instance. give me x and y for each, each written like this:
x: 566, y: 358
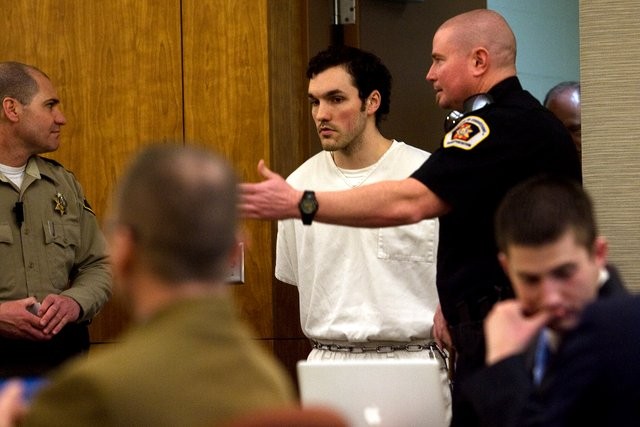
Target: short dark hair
x: 558, y: 89
x: 16, y: 81
x: 540, y: 210
x: 366, y: 69
x: 181, y: 204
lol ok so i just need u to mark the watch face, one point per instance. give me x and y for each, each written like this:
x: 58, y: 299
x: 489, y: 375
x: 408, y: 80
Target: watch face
x: 308, y: 205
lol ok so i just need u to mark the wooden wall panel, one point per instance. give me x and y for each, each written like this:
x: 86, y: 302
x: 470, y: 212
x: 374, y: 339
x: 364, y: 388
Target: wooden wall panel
x: 290, y: 146
x: 117, y: 67
x: 225, y: 73
x: 226, y: 107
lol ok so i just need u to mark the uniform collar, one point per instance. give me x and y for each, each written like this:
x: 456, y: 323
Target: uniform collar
x: 507, y: 85
x: 32, y: 168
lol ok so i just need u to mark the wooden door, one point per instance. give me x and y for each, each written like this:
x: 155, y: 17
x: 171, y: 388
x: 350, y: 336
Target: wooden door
x: 117, y: 69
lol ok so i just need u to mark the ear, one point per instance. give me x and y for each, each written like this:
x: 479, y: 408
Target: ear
x: 504, y: 262
x: 372, y: 103
x: 479, y: 61
x: 601, y: 251
x: 11, y: 109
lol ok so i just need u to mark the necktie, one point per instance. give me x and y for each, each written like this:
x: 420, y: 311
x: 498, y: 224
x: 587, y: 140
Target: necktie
x: 541, y: 358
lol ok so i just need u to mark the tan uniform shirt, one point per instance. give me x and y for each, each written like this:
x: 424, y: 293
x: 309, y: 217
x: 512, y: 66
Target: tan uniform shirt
x: 58, y: 248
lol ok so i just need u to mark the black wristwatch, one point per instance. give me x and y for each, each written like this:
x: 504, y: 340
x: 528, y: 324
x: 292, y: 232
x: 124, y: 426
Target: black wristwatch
x: 308, y: 207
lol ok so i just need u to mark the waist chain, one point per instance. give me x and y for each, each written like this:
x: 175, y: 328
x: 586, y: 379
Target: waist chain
x: 382, y: 348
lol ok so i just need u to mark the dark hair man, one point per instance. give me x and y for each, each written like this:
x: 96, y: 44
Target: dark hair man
x: 499, y: 142
x: 557, y: 263
x: 377, y: 298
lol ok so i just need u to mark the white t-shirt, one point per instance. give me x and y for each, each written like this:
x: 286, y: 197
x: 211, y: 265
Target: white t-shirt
x: 360, y: 284
x: 13, y: 174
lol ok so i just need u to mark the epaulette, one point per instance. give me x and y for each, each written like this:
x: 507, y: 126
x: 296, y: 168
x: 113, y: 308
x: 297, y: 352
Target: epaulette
x: 87, y: 206
x: 53, y: 162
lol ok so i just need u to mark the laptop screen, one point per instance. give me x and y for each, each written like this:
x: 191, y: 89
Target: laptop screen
x: 376, y: 392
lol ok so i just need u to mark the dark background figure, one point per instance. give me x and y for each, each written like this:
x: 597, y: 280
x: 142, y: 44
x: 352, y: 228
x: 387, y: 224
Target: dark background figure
x: 563, y: 100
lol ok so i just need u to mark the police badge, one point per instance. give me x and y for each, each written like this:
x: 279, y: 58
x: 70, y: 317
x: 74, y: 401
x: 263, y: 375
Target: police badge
x: 61, y: 204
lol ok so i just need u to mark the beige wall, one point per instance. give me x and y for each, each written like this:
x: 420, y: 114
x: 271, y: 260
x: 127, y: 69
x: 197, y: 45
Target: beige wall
x: 610, y: 129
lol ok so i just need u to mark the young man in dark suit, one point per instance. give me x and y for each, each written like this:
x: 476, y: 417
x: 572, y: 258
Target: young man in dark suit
x: 557, y: 263
x: 598, y: 371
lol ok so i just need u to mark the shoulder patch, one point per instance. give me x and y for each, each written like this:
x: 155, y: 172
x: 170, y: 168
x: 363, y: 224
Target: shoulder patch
x: 470, y: 132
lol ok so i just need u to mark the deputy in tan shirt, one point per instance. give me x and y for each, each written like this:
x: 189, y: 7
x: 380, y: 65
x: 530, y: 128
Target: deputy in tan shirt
x: 54, y: 274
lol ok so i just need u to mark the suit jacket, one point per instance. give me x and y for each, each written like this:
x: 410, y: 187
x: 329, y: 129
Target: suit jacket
x: 597, y: 371
x: 191, y: 364
x: 499, y: 395
x: 612, y: 287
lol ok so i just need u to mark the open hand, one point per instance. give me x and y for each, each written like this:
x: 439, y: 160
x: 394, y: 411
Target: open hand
x: 272, y: 198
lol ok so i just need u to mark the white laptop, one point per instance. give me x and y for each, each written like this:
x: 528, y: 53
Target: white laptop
x: 381, y: 392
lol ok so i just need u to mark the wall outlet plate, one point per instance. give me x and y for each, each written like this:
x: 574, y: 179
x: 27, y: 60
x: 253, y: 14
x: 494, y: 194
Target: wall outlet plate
x: 235, y: 272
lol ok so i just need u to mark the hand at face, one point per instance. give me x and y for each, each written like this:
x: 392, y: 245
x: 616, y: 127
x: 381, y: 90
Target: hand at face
x: 272, y: 198
x: 508, y: 330
x: 17, y: 322
x: 56, y: 311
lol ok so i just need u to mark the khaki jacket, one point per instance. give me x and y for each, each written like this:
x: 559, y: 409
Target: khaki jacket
x: 58, y: 247
x: 192, y: 364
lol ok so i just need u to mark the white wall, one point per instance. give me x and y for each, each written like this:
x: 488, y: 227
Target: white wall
x: 548, y: 39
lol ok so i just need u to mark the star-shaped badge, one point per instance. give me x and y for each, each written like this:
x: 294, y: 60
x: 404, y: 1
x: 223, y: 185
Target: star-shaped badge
x: 61, y: 204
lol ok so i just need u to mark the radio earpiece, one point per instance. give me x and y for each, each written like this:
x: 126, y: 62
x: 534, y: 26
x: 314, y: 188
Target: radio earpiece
x: 472, y: 103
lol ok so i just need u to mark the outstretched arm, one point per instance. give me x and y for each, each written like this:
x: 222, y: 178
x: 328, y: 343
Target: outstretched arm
x: 385, y: 203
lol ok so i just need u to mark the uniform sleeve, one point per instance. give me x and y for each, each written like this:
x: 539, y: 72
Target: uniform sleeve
x: 462, y: 176
x: 90, y: 279
x: 479, y: 162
